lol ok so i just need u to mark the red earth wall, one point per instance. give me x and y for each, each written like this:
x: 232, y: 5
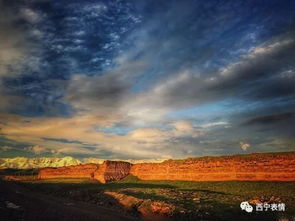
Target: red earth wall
x: 77, y: 171
x: 268, y: 167
x: 112, y: 171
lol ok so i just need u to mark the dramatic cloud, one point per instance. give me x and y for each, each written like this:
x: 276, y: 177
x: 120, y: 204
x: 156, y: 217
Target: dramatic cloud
x: 146, y: 79
x: 102, y: 93
x: 13, y: 46
x: 18, y: 52
x: 16, y: 44
x: 241, y: 79
x: 58, y: 136
x: 180, y: 129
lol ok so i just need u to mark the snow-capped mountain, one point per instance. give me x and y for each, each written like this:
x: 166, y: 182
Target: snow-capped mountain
x: 40, y: 162
x: 26, y: 163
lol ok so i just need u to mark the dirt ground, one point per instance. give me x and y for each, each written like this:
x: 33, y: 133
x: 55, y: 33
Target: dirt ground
x: 20, y: 204
x: 134, y: 199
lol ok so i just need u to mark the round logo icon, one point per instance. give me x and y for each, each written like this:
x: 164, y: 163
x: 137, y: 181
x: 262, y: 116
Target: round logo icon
x: 246, y: 206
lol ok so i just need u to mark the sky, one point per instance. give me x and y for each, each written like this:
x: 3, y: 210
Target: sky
x: 148, y: 79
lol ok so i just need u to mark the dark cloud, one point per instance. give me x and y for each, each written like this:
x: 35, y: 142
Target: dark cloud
x: 12, y: 148
x: 62, y: 140
x: 258, y: 75
x: 19, y: 54
x: 275, y: 125
x: 101, y: 93
x: 271, y: 119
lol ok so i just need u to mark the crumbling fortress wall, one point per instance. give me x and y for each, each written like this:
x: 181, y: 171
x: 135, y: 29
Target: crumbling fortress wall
x: 112, y: 171
x: 266, y: 167
x: 106, y: 172
x: 77, y: 171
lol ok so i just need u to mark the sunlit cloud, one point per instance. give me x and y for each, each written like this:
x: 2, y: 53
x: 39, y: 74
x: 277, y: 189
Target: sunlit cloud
x: 106, y: 80
x: 244, y: 146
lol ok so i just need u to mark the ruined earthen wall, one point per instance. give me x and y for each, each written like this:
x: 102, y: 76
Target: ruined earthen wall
x: 77, y: 171
x: 112, y: 171
x: 279, y: 166
x: 270, y: 167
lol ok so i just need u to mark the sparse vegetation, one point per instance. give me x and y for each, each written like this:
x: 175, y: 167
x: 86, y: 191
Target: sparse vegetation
x: 207, y: 200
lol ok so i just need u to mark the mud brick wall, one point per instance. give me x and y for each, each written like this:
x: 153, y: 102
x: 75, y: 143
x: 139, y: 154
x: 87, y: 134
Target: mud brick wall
x: 112, y: 171
x: 77, y: 171
x: 268, y: 167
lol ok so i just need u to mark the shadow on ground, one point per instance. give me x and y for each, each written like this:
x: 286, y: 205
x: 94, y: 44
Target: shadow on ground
x: 65, y: 200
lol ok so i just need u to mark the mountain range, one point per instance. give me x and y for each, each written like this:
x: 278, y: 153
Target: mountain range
x: 41, y: 162
x: 27, y: 163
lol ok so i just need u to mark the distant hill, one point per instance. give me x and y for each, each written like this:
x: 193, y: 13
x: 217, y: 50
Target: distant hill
x: 41, y: 162
x: 28, y: 163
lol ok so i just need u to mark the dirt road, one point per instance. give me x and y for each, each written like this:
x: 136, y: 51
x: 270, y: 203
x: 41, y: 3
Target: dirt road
x: 19, y: 203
